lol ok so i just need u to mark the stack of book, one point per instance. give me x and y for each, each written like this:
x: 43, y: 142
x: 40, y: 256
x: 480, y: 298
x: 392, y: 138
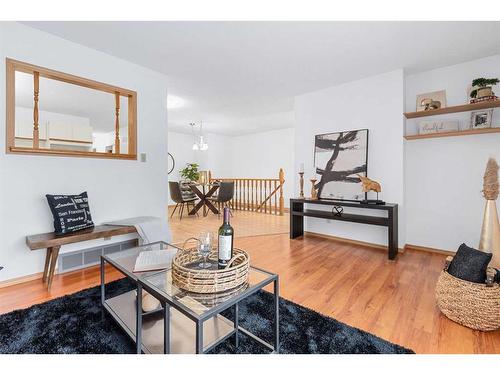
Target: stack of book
x: 153, y: 260
x: 484, y: 99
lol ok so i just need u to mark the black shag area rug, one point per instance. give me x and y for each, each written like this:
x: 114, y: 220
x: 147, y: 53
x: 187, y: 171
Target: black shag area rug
x: 74, y: 324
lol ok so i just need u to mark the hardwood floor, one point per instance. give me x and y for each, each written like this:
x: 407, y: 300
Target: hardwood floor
x: 246, y: 223
x: 351, y: 283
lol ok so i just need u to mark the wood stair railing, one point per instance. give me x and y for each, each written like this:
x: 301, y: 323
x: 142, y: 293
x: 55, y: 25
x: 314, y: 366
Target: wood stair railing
x: 257, y: 194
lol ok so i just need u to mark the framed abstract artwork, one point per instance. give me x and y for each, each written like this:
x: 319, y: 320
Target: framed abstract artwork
x: 338, y: 158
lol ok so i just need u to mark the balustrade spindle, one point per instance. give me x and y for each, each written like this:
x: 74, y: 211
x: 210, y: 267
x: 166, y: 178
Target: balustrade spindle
x: 252, y: 192
x: 257, y: 194
x: 265, y: 194
x: 260, y: 194
x: 275, y: 199
x: 243, y: 183
x: 248, y: 195
x: 117, y: 122
x: 36, y: 92
x: 238, y: 195
x: 270, y: 201
x: 282, y: 199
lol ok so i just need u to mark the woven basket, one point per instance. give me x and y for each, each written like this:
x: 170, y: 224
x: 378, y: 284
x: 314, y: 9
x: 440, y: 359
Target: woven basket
x: 209, y: 281
x: 473, y: 305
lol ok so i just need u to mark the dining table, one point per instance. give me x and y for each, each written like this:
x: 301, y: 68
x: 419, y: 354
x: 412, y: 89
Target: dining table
x: 204, y: 192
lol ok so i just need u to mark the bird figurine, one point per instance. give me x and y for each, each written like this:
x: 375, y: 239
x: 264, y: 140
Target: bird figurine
x: 370, y: 185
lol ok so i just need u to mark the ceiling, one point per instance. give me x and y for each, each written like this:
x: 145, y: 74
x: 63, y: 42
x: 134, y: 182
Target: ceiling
x: 241, y: 77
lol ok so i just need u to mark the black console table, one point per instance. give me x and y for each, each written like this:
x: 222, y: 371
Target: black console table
x: 297, y: 213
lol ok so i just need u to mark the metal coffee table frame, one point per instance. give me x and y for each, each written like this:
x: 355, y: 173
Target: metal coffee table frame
x: 167, y: 302
x: 131, y: 277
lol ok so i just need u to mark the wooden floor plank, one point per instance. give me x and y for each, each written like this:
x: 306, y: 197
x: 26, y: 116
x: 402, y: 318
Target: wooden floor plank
x: 352, y: 283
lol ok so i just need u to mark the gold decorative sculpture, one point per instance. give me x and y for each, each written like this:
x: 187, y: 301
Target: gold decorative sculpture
x: 429, y: 104
x: 490, y: 231
x: 370, y: 185
x: 314, y: 192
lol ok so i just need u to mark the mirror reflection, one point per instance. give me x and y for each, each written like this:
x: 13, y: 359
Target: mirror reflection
x: 70, y: 117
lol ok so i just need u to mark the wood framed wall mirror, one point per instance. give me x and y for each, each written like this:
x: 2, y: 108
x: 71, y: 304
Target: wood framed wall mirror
x: 54, y: 113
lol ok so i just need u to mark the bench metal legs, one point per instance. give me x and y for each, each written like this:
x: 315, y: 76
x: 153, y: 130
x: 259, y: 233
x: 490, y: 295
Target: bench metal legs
x: 50, y: 265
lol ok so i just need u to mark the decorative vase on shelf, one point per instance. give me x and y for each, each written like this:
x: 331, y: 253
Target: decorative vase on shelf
x: 484, y: 91
x: 490, y: 231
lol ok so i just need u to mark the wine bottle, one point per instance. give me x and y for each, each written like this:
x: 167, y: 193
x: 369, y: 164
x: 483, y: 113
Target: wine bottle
x: 226, y: 234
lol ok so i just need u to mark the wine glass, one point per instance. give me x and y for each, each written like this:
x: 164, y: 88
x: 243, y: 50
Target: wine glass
x: 205, y: 241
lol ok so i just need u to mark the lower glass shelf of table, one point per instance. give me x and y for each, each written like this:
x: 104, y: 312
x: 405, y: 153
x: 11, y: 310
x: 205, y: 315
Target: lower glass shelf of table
x: 182, y: 330
x: 203, y: 308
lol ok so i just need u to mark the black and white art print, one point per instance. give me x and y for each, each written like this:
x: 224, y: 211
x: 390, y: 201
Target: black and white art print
x: 338, y: 158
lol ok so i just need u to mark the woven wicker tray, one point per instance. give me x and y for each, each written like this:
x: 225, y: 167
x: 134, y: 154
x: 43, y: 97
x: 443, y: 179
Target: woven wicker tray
x: 186, y: 276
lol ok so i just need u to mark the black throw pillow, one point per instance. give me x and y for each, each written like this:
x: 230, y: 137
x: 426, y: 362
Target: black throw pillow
x: 71, y: 212
x: 497, y: 276
x: 469, y: 264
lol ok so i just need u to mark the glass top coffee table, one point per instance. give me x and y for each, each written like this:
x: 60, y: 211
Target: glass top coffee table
x: 185, y: 322
x: 203, y: 308
x: 122, y: 307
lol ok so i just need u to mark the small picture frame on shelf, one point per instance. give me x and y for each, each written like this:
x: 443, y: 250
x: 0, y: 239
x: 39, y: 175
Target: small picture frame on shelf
x: 481, y: 119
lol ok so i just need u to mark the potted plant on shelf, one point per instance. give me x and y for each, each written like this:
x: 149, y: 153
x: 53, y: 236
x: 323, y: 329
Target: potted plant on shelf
x: 482, y: 87
x: 190, y: 172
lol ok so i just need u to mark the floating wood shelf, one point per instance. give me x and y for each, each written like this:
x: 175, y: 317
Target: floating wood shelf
x: 452, y: 134
x: 454, y: 109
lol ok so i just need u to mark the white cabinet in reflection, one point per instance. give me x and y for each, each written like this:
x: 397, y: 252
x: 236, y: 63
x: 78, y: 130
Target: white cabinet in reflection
x: 82, y: 133
x: 59, y: 131
x: 55, y: 129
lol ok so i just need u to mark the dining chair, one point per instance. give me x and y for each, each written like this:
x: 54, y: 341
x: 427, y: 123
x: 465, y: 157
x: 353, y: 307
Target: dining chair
x: 179, y: 198
x: 224, y: 195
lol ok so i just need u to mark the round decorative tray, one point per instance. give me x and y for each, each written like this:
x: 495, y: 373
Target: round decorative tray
x: 187, y: 275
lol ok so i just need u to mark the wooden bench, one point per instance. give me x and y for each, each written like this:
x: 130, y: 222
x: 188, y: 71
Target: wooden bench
x: 53, y: 243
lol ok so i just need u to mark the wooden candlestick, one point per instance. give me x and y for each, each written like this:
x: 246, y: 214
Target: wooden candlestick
x: 301, y: 174
x: 314, y: 193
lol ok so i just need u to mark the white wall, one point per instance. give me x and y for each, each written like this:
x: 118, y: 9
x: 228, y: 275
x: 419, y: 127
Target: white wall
x: 116, y: 188
x: 375, y: 103
x: 179, y: 145
x: 443, y: 176
x: 218, y: 156
x: 263, y: 154
x: 259, y: 155
x: 216, y: 159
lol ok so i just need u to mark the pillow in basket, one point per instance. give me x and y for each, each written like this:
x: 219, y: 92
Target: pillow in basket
x: 71, y: 212
x: 469, y: 264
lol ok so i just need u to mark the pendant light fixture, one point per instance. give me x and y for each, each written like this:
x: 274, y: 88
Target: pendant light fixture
x: 199, y: 143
